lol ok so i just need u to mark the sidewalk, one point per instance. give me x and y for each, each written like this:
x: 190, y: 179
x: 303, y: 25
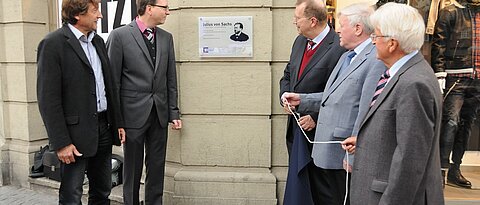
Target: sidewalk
x: 12, y: 195
x: 46, y: 190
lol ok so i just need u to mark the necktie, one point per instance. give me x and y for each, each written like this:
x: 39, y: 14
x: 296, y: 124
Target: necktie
x: 380, y: 86
x: 306, y: 57
x: 310, y: 45
x: 149, y: 34
x: 346, y: 62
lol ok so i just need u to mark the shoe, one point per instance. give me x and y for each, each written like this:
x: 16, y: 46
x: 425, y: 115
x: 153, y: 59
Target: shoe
x: 456, y: 178
x: 443, y: 178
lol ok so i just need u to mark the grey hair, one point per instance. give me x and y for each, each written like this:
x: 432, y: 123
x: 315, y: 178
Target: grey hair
x: 359, y: 13
x: 402, y: 23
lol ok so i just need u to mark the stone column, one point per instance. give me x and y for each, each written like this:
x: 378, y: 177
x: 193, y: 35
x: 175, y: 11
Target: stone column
x: 23, y: 23
x: 223, y: 155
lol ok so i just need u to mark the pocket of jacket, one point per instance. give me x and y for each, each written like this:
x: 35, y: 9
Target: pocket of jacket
x: 71, y: 120
x: 341, y: 133
x: 378, y: 186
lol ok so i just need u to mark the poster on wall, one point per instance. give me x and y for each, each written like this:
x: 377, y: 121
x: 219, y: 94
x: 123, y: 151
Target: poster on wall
x: 225, y: 36
x: 115, y: 13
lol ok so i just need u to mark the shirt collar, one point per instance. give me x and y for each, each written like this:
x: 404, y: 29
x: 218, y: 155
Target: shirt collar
x: 362, y: 46
x: 397, y: 65
x: 141, y: 25
x: 321, y: 36
x: 79, y: 35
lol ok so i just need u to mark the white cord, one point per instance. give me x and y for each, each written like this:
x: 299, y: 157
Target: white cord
x: 317, y: 142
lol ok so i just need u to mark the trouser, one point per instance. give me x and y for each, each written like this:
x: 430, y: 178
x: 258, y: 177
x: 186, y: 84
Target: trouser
x: 153, y: 138
x: 328, y: 185
x: 460, y: 109
x: 98, y: 169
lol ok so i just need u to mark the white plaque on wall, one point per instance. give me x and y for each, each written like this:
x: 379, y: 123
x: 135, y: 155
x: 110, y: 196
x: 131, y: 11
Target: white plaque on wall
x: 225, y: 36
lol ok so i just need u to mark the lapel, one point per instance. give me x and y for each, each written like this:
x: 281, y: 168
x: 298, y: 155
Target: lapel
x: 354, y: 65
x: 335, y: 71
x: 159, y: 41
x: 100, y: 53
x: 73, y: 41
x: 391, y: 84
x: 318, y: 55
x: 137, y: 35
x: 299, y: 50
x: 97, y: 43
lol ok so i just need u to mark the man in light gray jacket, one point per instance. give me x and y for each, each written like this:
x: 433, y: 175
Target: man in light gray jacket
x: 345, y: 101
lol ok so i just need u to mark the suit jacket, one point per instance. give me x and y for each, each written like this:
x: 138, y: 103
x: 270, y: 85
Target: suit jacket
x: 397, y: 157
x: 67, y: 94
x: 343, y: 105
x: 241, y: 37
x: 141, y: 82
x: 315, y: 75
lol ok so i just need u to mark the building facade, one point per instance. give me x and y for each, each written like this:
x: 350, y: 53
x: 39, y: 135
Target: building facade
x: 232, y: 147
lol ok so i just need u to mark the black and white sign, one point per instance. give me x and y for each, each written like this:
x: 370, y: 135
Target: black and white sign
x: 115, y: 14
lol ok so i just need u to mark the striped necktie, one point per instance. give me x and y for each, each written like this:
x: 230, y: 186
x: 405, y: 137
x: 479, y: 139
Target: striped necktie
x: 380, y: 86
x: 310, y: 45
x: 149, y: 35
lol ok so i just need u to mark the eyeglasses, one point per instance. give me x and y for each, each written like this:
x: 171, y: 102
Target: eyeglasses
x: 375, y: 36
x: 296, y: 19
x: 165, y: 7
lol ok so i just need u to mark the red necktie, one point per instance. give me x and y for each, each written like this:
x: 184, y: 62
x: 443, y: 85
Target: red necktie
x: 306, y: 57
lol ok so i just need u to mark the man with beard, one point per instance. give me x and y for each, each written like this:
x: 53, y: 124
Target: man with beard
x: 238, y: 35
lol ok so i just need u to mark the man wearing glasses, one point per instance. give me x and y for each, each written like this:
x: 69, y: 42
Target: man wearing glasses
x: 143, y: 63
x: 314, y: 54
x: 397, y: 151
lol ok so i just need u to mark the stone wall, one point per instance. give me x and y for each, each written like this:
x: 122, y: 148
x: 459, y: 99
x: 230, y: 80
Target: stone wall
x: 232, y: 147
x: 22, y: 24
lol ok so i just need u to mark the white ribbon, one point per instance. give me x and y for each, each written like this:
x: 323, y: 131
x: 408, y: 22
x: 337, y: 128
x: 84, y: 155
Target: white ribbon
x: 326, y: 142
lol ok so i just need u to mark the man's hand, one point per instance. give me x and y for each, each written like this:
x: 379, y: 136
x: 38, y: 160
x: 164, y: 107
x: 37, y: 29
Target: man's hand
x: 67, y: 154
x: 347, y: 166
x: 307, y: 122
x: 177, y: 124
x: 349, y: 144
x: 290, y: 99
x: 121, y: 135
x: 285, y: 108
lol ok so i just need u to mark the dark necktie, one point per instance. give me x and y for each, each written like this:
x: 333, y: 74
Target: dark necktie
x: 380, y: 86
x: 149, y: 35
x: 346, y: 62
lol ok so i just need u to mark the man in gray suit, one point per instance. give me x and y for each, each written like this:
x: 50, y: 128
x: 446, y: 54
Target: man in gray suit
x: 345, y: 101
x: 314, y: 54
x: 397, y: 157
x: 143, y: 63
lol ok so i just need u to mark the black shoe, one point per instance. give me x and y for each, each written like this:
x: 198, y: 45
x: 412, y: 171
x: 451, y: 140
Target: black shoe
x: 443, y: 178
x: 456, y: 178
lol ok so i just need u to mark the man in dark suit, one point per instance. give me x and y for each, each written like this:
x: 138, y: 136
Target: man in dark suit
x: 78, y: 104
x: 238, y: 35
x: 397, y: 157
x: 143, y: 63
x: 315, y: 53
x: 346, y: 99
